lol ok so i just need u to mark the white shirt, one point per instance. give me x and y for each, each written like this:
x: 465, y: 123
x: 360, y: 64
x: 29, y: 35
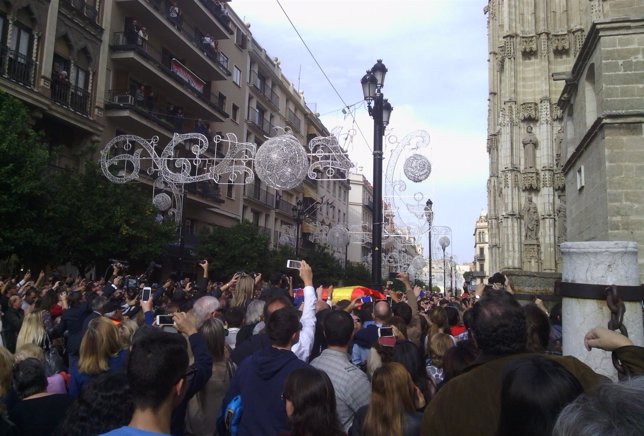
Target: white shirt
x: 303, y: 347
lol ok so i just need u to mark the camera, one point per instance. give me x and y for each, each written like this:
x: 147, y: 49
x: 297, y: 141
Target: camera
x: 393, y: 275
x: 293, y: 264
x: 164, y: 320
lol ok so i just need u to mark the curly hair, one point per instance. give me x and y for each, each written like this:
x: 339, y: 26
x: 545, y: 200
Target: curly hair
x: 104, y: 404
x: 498, y: 324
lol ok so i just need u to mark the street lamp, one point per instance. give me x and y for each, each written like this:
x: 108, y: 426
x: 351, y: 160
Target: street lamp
x: 429, y: 215
x: 444, y: 243
x: 302, y: 212
x: 372, y: 84
x: 451, y: 274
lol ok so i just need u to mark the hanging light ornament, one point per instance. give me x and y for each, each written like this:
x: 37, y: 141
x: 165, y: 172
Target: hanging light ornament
x: 338, y: 236
x: 162, y: 201
x: 417, y: 168
x: 281, y: 162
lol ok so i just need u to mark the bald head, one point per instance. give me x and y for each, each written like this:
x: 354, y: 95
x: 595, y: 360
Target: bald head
x: 381, y: 311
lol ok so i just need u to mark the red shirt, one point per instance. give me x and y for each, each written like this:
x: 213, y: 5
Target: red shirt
x: 457, y: 330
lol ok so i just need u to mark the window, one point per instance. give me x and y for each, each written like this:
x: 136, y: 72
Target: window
x: 235, y: 113
x: 79, y: 77
x: 221, y: 101
x: 237, y: 76
x: 580, y: 178
x: 20, y: 40
x: 229, y: 190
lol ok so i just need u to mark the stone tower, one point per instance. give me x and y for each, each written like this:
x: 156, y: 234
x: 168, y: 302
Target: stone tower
x: 528, y: 41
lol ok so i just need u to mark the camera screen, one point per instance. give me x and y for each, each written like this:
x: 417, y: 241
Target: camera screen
x: 165, y: 320
x: 385, y: 331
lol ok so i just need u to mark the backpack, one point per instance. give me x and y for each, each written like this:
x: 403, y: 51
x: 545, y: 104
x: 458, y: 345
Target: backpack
x: 232, y: 415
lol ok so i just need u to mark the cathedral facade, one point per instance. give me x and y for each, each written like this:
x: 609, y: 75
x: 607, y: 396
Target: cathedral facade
x: 565, y: 127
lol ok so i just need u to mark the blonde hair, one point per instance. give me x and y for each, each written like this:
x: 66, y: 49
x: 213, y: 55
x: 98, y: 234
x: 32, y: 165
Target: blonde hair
x: 6, y: 367
x: 32, y: 330
x: 391, y: 384
x: 126, y: 330
x: 243, y: 290
x: 100, y: 342
x: 438, y: 346
x: 29, y: 351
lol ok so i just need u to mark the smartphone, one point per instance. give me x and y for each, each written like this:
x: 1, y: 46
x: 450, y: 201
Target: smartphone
x: 165, y: 320
x: 389, y: 300
x: 393, y: 275
x: 366, y: 299
x: 385, y: 331
x: 145, y: 294
x: 293, y: 264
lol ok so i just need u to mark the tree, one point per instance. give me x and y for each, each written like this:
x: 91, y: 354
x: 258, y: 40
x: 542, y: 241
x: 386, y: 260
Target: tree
x: 23, y: 166
x: 95, y: 219
x: 241, y: 247
x: 357, y: 274
x: 326, y: 268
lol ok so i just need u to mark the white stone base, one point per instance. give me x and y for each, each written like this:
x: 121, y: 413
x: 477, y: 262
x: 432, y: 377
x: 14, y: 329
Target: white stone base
x: 603, y: 263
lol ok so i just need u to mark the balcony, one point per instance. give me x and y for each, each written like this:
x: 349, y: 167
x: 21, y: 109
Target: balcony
x: 216, y: 11
x: 256, y: 119
x: 71, y: 97
x: 368, y: 204
x: 179, y: 36
x: 178, y: 83
x: 264, y: 91
x: 17, y: 67
x: 260, y: 195
x: 479, y: 257
x: 138, y: 118
x: 83, y: 11
x: 284, y: 207
x: 294, y: 121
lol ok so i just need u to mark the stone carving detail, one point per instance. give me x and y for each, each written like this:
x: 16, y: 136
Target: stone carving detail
x: 547, y: 179
x: 561, y: 220
x: 544, y: 111
x: 559, y: 147
x: 528, y: 45
x: 531, y: 252
x: 596, y: 12
x: 560, y: 43
x: 528, y: 111
x: 512, y: 113
x: 556, y: 112
x: 509, y: 47
x: 543, y: 44
x: 530, y: 144
x: 492, y: 9
x: 560, y: 181
x: 578, y: 36
x: 506, y: 179
x: 500, y: 60
x: 492, y: 143
x: 503, y: 119
x: 530, y: 215
x: 530, y: 179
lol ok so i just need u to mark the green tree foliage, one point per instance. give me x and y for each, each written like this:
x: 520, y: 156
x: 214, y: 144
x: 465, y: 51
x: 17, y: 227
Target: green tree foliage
x: 23, y: 163
x: 357, y: 274
x: 326, y: 268
x: 52, y: 216
x: 95, y: 219
x: 241, y: 247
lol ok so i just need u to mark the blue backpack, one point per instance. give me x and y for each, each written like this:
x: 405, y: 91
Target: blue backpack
x: 232, y: 415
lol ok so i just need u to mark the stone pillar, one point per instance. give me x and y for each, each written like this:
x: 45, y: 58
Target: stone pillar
x: 600, y: 263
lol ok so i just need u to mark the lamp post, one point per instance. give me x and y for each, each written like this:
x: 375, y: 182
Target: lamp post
x: 451, y: 274
x: 372, y: 84
x: 429, y: 215
x: 301, y: 212
x: 444, y: 243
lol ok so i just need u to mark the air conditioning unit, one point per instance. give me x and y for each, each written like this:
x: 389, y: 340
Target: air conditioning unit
x: 123, y: 99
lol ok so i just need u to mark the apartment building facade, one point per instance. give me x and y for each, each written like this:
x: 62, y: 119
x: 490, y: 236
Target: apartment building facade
x: 92, y: 70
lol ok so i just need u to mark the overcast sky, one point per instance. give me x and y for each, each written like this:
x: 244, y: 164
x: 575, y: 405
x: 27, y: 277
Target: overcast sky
x: 436, y: 53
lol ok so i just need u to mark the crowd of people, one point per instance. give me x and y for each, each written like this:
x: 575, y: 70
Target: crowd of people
x: 249, y: 356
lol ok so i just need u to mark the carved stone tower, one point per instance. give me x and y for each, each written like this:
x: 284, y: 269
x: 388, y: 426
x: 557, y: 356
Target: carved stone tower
x: 528, y: 41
